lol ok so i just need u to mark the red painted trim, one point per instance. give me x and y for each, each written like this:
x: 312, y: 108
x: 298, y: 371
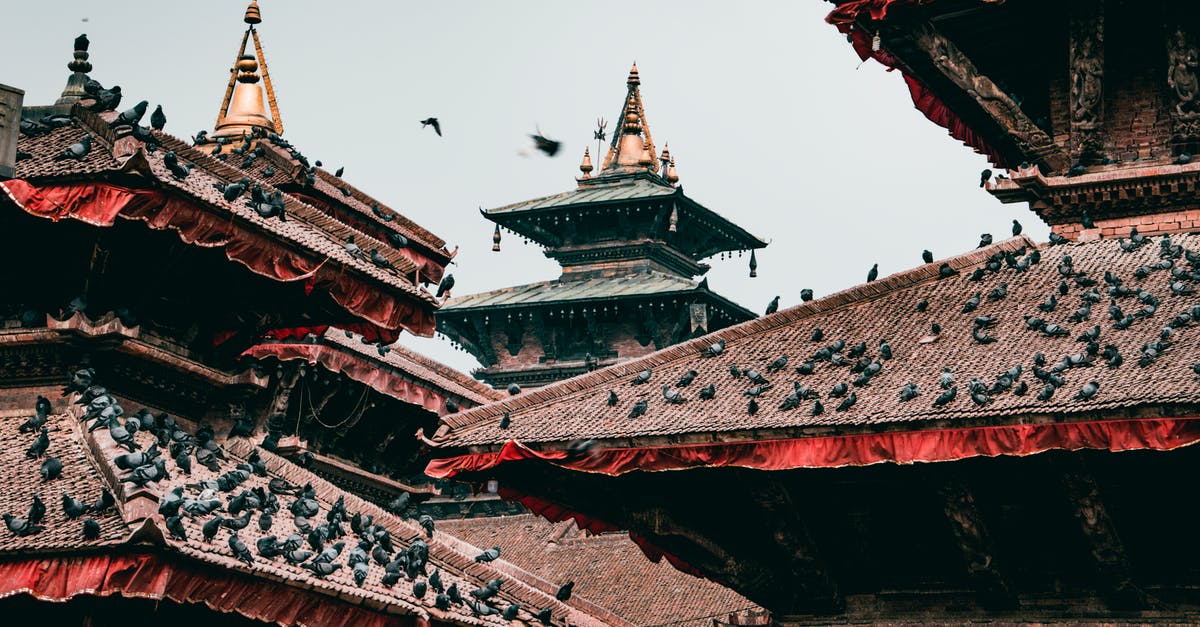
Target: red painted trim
x: 59, y: 579
x: 99, y: 204
x: 904, y: 447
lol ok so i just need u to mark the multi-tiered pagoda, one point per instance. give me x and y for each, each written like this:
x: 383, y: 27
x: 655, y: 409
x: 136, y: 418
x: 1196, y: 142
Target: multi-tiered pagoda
x: 630, y: 244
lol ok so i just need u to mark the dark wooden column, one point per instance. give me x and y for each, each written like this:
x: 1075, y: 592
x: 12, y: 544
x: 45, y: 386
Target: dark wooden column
x: 1106, y: 550
x: 816, y: 590
x: 993, y: 589
x: 1087, y: 79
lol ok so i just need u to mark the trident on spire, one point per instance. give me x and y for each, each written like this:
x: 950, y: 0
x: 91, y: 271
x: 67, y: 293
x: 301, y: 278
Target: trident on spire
x: 599, y: 133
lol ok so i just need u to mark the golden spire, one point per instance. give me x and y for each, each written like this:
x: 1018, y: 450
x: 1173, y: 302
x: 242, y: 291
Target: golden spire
x: 242, y: 109
x: 632, y: 146
x: 586, y: 166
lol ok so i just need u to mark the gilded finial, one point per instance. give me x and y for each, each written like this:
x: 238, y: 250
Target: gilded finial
x: 646, y: 159
x: 80, y: 62
x: 633, y: 76
x: 253, y: 15
x: 665, y: 159
x: 247, y: 69
x: 672, y: 176
x: 586, y: 166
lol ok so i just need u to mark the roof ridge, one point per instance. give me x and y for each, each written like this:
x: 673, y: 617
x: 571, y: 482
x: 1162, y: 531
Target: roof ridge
x: 856, y: 294
x: 418, y: 232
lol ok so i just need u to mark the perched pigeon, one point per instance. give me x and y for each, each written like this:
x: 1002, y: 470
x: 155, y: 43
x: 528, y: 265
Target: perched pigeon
x: 158, y: 120
x: 489, y: 555
x: 873, y: 273
x: 76, y: 151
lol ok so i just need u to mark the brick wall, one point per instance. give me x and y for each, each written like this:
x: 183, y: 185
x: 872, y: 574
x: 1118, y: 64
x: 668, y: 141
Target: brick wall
x: 1184, y: 221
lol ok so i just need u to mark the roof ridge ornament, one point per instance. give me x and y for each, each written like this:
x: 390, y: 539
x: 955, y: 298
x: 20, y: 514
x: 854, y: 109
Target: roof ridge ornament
x: 632, y: 145
x: 242, y: 110
x: 79, y: 66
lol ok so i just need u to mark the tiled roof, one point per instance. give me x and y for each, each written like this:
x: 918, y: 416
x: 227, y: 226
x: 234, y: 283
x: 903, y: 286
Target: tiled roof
x: 80, y: 479
x: 329, y: 186
x: 619, y: 189
x: 307, y: 226
x: 418, y: 366
x: 888, y: 310
x: 577, y: 290
x: 88, y: 466
x: 561, y: 552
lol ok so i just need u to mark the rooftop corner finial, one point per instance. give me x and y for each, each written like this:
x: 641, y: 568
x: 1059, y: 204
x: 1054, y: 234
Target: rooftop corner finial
x: 586, y: 166
x: 633, y: 76
x: 672, y: 176
x: 253, y: 15
x: 79, y: 67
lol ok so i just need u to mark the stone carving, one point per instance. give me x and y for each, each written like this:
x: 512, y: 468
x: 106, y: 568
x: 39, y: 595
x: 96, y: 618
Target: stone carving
x: 1183, y: 59
x: 1087, y: 79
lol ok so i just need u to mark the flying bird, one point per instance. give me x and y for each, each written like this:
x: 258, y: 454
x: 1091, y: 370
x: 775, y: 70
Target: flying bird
x: 437, y: 127
x: 544, y: 144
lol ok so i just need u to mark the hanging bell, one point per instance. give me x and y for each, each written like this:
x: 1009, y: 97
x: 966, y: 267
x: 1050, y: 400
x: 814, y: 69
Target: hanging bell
x: 496, y: 240
x: 753, y: 265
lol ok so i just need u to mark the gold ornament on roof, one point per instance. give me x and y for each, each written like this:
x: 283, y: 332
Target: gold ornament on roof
x: 253, y: 15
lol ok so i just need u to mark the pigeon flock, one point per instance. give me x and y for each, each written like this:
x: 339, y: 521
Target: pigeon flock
x: 219, y: 502
x: 992, y: 332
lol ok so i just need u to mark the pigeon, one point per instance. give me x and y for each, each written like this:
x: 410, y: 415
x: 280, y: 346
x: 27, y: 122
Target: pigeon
x: 76, y: 151
x: 451, y: 406
x: 158, y: 120
x: 1184, y: 158
x: 489, y: 555
x: 1086, y: 218
x: 131, y: 117
x: 73, y: 508
x: 21, y: 526
x: 873, y: 273
x: 612, y: 398
x: 639, y: 408
x: 985, y: 240
x: 806, y: 295
x: 445, y: 286
x: 514, y: 389
x: 1016, y: 228
x: 546, y: 145
x: 772, y: 306
x: 51, y: 468
x: 180, y: 170
x: 909, y: 392
x: 642, y: 377
x: 91, y: 529
x: 972, y: 304
x: 40, y: 445
x: 817, y: 335
x: 353, y: 249
x: 714, y: 349
x: 708, y: 393
x: 985, y: 176
x: 945, y: 397
x: 848, y: 402
x: 505, y: 421
x: 543, y: 616
x: 321, y: 569
x: 945, y: 271
x: 510, y: 612
x: 1088, y: 391
x: 927, y: 256
x: 211, y: 528
x: 437, y: 127
x: 380, y: 261
x: 339, y: 172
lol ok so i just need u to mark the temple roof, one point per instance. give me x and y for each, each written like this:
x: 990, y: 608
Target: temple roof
x: 576, y: 409
x: 133, y: 527
x: 561, y: 552
x: 609, y: 190
x: 126, y: 162
x: 600, y: 289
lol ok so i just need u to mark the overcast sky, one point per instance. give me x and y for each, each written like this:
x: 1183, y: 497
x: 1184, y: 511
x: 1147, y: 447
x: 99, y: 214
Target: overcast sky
x: 771, y: 118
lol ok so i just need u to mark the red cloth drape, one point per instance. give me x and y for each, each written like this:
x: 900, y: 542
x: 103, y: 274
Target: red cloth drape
x: 100, y: 204
x: 59, y: 579
x: 358, y: 369
x: 923, y: 99
x: 904, y: 447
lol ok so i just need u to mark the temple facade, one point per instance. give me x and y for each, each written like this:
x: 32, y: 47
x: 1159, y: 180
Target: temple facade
x: 630, y: 244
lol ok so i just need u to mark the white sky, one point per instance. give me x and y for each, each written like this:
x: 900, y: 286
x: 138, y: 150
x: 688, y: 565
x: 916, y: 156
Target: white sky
x: 771, y: 119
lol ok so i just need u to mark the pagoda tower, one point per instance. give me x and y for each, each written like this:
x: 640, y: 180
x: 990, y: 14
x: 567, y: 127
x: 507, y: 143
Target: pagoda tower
x: 630, y: 244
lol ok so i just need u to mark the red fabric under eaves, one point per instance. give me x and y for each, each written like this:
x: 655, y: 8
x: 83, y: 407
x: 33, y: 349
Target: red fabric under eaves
x: 923, y: 99
x: 904, y: 447
x: 99, y: 204
x: 149, y: 576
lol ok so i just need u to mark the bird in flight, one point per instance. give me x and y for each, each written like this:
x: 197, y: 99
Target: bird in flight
x: 437, y: 127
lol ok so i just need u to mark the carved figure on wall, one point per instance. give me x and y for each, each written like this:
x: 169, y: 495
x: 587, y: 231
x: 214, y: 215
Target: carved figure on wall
x: 1087, y: 79
x: 1182, y: 61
